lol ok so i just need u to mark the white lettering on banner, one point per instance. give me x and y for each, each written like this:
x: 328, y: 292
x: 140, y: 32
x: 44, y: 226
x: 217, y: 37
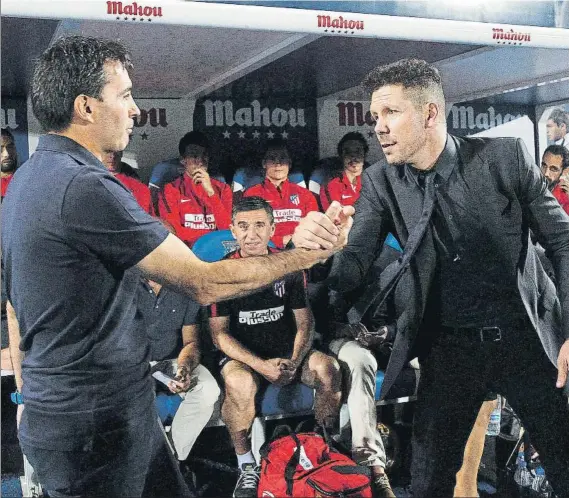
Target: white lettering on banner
x: 197, y: 221
x: 8, y: 118
x: 282, y: 215
x: 220, y: 113
x: 261, y: 316
x: 154, y: 117
x: 463, y: 117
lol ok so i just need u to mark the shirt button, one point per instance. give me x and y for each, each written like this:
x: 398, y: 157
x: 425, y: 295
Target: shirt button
x: 450, y: 216
x: 436, y: 185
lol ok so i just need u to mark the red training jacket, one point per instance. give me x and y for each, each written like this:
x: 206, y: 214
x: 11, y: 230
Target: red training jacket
x: 340, y: 189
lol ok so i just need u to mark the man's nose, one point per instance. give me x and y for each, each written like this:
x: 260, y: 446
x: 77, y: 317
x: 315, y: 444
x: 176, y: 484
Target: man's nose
x: 380, y: 126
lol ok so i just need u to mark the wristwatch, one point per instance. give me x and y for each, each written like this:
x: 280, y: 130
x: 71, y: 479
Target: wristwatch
x: 17, y: 398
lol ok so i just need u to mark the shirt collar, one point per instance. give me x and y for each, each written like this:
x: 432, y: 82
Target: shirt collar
x: 445, y: 163
x: 59, y: 143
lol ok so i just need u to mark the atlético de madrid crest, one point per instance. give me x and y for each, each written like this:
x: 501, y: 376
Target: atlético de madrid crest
x: 279, y: 288
x: 294, y: 199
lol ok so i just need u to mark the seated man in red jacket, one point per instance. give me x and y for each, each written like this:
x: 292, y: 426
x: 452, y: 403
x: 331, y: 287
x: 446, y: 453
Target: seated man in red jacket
x: 554, y: 167
x: 345, y: 187
x: 9, y: 159
x: 120, y: 170
x: 195, y: 204
x: 290, y: 202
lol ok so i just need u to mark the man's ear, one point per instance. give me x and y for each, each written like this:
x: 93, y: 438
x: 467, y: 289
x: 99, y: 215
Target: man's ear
x: 82, y: 108
x: 273, y: 227
x: 432, y: 115
x: 232, y: 228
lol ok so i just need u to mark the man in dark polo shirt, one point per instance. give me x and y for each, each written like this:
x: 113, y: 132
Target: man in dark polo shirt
x: 89, y: 426
x: 266, y: 337
x: 171, y: 322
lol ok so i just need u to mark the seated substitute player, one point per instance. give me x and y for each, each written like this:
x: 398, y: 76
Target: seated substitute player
x: 195, y: 204
x: 290, y: 202
x: 266, y: 337
x: 346, y: 185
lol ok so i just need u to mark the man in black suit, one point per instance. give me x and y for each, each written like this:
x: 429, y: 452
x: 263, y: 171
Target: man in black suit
x: 471, y: 298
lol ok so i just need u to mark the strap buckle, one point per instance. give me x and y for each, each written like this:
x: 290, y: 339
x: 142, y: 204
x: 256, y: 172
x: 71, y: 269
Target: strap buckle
x: 493, y: 334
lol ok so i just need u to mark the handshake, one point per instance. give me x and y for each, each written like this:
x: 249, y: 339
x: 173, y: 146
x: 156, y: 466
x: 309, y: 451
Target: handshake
x: 325, y: 231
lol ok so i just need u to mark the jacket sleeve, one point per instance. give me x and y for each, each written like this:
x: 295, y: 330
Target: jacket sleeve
x: 548, y: 222
x: 311, y: 203
x: 350, y: 266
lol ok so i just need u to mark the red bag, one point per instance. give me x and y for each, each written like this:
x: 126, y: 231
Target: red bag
x: 305, y: 465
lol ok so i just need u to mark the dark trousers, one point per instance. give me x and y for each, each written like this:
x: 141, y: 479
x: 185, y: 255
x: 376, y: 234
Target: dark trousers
x: 455, y: 377
x: 132, y: 461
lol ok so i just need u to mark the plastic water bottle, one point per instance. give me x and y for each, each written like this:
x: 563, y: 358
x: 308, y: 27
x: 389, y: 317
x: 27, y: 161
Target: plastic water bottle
x: 538, y: 481
x: 495, y: 420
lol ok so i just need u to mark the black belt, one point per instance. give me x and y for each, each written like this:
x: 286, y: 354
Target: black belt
x: 480, y: 334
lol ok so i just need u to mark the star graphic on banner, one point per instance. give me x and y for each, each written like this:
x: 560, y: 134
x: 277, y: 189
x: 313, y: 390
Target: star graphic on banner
x: 241, y: 134
x: 270, y: 135
x: 284, y: 134
x: 144, y: 136
x: 226, y: 134
x: 256, y: 134
x: 370, y: 134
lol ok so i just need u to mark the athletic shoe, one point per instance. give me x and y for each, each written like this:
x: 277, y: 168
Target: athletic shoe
x: 248, y: 481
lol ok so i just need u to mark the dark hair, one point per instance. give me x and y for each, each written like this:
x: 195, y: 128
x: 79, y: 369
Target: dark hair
x: 559, y: 117
x: 192, y: 138
x: 409, y: 73
x: 559, y: 150
x: 352, y: 135
x: 72, y: 66
x: 8, y: 133
x: 276, y: 143
x: 252, y: 204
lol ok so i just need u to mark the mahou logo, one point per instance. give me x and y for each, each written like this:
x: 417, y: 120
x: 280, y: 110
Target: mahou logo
x: 333, y: 24
x: 510, y: 37
x: 132, y: 9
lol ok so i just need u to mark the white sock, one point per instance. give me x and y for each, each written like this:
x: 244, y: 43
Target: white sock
x: 245, y: 458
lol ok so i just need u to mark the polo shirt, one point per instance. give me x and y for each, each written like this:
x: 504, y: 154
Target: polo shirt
x: 264, y: 321
x: 342, y: 190
x: 193, y: 213
x: 290, y: 203
x: 163, y: 316
x: 140, y: 191
x: 70, y: 232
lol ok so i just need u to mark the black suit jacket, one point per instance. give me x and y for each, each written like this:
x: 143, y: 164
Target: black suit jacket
x: 513, y: 198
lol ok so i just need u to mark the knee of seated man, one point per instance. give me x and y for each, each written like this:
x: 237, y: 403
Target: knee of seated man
x: 240, y: 384
x: 327, y: 368
x: 360, y: 359
x: 207, y: 389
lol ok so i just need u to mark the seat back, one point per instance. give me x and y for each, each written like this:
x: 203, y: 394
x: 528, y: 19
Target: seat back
x: 246, y: 177
x: 213, y: 246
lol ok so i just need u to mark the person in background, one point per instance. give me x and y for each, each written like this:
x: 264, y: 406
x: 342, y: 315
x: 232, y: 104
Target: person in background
x: 266, y: 338
x: 195, y: 204
x: 345, y: 188
x: 290, y: 202
x: 141, y: 192
x: 557, y: 126
x: 9, y: 160
x: 554, y: 165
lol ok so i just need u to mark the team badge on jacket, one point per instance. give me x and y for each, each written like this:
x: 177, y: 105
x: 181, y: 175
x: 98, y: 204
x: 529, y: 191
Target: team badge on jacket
x: 279, y: 288
x: 294, y: 199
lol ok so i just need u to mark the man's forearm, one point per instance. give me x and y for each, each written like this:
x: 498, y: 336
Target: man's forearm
x: 302, y: 344
x: 14, y: 339
x: 232, y: 348
x: 189, y: 356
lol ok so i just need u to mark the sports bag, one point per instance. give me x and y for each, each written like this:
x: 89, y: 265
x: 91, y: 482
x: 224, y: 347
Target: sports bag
x: 305, y: 465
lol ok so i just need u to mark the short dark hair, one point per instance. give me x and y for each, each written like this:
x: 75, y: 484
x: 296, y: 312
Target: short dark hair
x: 414, y: 74
x: 253, y: 203
x: 276, y: 143
x: 559, y: 150
x: 8, y: 133
x: 352, y: 135
x: 559, y: 117
x: 193, y: 138
x: 72, y: 66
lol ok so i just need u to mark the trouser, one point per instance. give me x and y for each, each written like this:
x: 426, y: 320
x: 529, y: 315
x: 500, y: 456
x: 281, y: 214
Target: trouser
x: 455, y: 377
x: 133, y: 461
x: 359, y: 368
x: 194, y: 412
